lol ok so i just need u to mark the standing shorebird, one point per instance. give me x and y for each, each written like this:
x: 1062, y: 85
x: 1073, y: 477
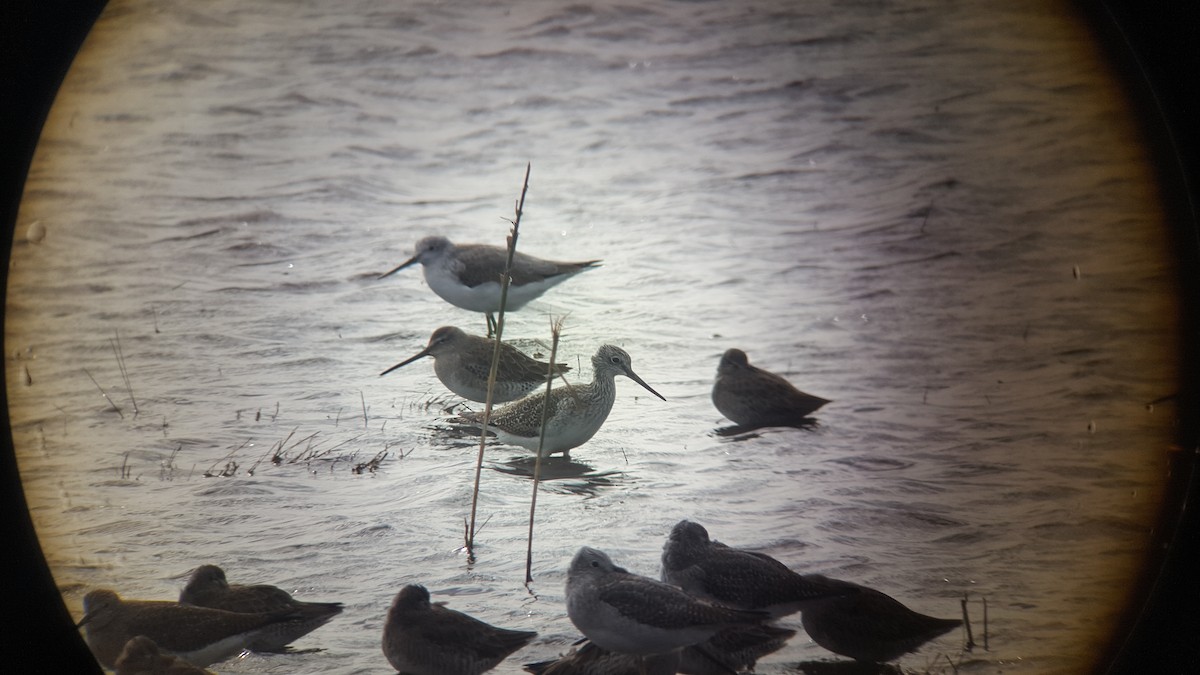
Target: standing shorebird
x: 462, y: 362
x: 141, y: 656
x: 576, y: 412
x: 753, y: 397
x: 198, y: 635
x: 868, y: 625
x: 737, y: 578
x: 420, y: 638
x: 208, y: 588
x: 633, y: 614
x: 468, y: 275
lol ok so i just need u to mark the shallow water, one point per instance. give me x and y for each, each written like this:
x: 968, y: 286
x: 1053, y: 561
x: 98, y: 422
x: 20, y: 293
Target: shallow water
x: 939, y: 216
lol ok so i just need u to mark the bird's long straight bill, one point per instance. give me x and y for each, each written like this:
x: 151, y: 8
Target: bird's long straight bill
x: 421, y: 354
x: 633, y: 376
x: 402, y: 265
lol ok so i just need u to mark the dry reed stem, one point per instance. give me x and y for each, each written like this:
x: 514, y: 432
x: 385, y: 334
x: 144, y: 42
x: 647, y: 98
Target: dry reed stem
x: 985, y: 625
x: 311, y: 453
x: 120, y: 354
x: 372, y: 465
x: 278, y: 455
x: 967, y: 624
x: 104, y: 393
x: 505, y: 279
x: 167, y: 471
x: 230, y: 465
x: 555, y: 331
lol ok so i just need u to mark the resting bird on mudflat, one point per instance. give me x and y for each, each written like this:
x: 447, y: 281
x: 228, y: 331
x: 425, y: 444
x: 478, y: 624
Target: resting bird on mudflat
x: 423, y: 638
x: 632, y: 614
x: 868, y: 625
x: 207, y: 587
x: 588, y: 658
x: 198, y: 635
x: 753, y: 397
x: 736, y: 577
x: 141, y: 656
x: 730, y: 650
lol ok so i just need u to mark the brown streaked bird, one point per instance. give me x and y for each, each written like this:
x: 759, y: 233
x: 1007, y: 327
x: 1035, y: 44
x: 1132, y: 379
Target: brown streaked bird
x: 730, y: 650
x: 734, y: 649
x: 588, y: 658
x: 462, y: 362
x: 208, y: 588
x: 632, y: 614
x: 141, y: 656
x: 738, y: 578
x: 575, y: 414
x: 198, y: 635
x: 753, y: 397
x: 868, y: 625
x: 423, y: 638
x: 468, y: 275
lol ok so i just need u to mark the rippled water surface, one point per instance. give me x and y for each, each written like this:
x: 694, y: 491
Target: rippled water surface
x: 936, y: 214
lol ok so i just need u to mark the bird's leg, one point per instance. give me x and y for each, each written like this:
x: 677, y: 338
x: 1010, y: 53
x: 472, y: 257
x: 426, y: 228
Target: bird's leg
x: 491, y: 324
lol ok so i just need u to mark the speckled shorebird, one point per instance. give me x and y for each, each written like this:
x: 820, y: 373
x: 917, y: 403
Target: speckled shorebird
x: 730, y: 650
x: 734, y: 649
x: 633, y: 614
x: 753, y: 397
x: 462, y: 362
x: 589, y: 658
x: 576, y: 412
x: 737, y: 578
x: 198, y: 635
x: 421, y: 638
x: 868, y: 625
x: 141, y: 656
x: 208, y: 588
x: 468, y: 275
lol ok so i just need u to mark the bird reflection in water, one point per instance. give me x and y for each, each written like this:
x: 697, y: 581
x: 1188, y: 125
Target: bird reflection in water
x: 563, y: 474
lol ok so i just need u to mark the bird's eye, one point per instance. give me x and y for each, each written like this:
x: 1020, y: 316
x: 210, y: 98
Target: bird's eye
x: 616, y: 359
x: 595, y: 563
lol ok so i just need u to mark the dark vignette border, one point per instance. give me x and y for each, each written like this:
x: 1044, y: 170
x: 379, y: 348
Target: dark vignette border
x: 1152, y: 45
x: 38, y: 41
